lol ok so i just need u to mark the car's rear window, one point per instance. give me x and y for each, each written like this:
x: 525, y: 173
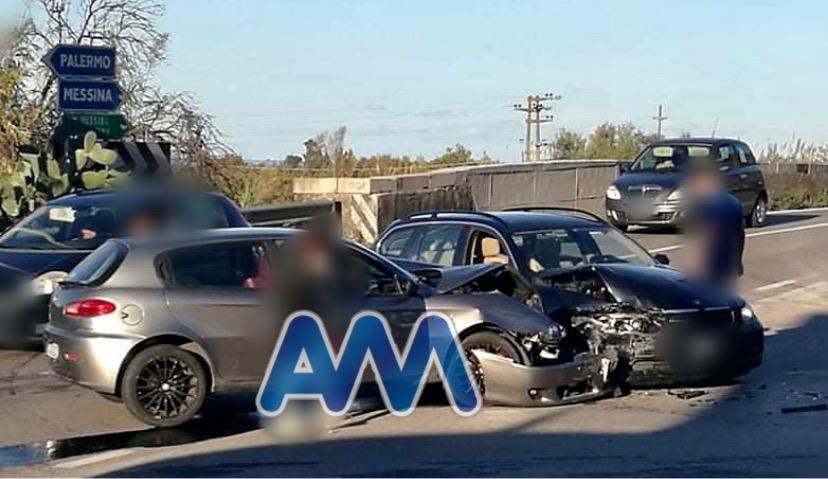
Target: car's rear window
x: 224, y: 265
x: 98, y: 266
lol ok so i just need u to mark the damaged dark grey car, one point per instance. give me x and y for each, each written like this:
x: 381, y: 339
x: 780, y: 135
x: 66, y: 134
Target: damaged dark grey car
x: 164, y: 323
x: 605, y: 289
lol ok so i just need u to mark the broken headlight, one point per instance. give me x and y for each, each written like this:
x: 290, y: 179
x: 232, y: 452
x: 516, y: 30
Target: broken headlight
x: 544, y: 344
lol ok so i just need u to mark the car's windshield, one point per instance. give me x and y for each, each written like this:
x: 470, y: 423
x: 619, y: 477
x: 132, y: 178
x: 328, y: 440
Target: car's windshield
x: 669, y: 157
x: 560, y: 248
x: 85, y: 227
x: 63, y: 227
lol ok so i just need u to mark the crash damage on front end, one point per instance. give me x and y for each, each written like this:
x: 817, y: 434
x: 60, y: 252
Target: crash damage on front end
x: 545, y: 371
x: 665, y: 329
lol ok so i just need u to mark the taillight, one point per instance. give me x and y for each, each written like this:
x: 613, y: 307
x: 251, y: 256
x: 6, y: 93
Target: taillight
x: 88, y: 308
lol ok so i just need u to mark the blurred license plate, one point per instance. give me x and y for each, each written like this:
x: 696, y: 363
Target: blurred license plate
x: 641, y: 210
x: 52, y: 350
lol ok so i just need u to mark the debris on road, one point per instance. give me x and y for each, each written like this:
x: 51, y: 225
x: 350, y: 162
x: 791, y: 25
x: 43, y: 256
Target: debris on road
x: 687, y: 394
x: 813, y: 408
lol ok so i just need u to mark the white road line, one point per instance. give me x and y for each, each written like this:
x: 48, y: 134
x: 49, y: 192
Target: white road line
x: 752, y: 235
x: 786, y: 230
x: 667, y: 248
x: 93, y: 459
x: 776, y: 285
x: 804, y: 210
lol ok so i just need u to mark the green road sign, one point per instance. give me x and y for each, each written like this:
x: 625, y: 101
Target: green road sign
x: 106, y: 126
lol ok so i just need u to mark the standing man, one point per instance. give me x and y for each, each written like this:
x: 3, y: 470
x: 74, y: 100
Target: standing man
x: 716, y: 226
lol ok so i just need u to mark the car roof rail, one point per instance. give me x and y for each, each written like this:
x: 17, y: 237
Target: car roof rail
x: 559, y: 209
x: 434, y: 214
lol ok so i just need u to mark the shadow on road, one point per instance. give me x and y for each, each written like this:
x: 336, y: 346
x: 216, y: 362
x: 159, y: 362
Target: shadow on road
x: 236, y: 417
x: 743, y: 434
x: 787, y: 218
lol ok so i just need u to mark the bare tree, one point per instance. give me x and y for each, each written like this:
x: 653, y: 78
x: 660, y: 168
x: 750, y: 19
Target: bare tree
x: 131, y: 26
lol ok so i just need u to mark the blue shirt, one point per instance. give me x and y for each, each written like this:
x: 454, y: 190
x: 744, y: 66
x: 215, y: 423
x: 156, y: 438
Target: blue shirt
x: 720, y: 216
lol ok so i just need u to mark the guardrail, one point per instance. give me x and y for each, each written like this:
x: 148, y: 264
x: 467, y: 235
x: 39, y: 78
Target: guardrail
x: 798, y: 168
x: 291, y: 214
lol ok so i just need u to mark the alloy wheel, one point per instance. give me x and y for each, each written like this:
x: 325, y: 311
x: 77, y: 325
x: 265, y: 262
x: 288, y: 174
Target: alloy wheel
x: 166, y: 387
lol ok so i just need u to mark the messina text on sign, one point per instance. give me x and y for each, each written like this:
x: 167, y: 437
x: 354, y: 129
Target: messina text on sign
x: 88, y: 96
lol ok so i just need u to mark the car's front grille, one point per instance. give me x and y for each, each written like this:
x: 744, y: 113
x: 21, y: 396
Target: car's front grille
x: 718, y: 317
x: 644, y: 191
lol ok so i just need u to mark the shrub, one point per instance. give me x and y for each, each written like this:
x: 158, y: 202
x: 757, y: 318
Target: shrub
x: 796, y: 190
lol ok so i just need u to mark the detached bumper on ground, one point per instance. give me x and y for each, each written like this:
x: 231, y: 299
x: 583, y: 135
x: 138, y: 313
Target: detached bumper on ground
x: 508, y: 383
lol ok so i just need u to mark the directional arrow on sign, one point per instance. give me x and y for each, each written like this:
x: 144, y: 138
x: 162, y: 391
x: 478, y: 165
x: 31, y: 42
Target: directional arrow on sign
x: 78, y: 95
x: 81, y: 61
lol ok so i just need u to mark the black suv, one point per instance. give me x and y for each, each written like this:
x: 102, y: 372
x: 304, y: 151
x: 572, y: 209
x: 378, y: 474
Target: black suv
x: 597, y: 282
x: 648, y: 192
x: 40, y: 250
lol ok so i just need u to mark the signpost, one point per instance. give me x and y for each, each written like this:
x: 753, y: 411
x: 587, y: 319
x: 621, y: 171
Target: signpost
x: 86, y: 95
x: 107, y: 126
x: 81, y: 61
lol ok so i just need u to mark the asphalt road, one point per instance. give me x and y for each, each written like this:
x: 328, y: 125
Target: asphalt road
x: 55, y: 429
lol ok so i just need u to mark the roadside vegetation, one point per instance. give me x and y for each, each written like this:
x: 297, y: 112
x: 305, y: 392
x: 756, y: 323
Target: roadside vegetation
x: 796, y: 174
x: 28, y: 117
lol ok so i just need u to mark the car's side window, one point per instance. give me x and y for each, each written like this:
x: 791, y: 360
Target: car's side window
x: 226, y: 265
x: 440, y: 244
x: 746, y: 158
x: 484, y: 247
x: 396, y: 245
x: 375, y: 278
x: 199, y: 212
x: 727, y: 157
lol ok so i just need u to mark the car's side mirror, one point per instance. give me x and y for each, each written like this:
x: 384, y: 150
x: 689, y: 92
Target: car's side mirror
x: 429, y: 276
x: 662, y: 258
x: 624, y: 167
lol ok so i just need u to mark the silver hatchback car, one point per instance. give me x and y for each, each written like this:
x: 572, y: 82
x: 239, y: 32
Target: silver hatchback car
x: 164, y: 323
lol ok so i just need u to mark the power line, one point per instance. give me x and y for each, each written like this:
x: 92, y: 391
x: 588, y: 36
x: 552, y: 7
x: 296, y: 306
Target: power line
x: 535, y: 105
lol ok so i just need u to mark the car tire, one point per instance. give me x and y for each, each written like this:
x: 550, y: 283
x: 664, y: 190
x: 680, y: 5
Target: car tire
x: 491, y: 342
x: 164, y: 385
x: 758, y: 214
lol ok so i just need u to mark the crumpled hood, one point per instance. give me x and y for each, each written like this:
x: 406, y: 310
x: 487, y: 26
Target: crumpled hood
x: 20, y: 265
x: 456, y: 277
x: 661, y: 287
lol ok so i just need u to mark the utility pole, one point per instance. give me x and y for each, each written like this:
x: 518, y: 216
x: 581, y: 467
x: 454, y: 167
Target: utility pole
x: 660, y: 118
x: 535, y: 104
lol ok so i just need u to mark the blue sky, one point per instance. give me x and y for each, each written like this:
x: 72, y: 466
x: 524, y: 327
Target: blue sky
x: 413, y: 77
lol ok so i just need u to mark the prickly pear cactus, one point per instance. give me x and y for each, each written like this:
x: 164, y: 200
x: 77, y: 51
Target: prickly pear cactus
x: 95, y: 165
x: 37, y: 177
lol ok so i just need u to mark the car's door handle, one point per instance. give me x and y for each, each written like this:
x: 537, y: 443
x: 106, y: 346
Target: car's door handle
x: 743, y: 175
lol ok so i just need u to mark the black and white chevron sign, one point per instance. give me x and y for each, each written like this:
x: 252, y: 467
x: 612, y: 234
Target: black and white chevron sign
x: 142, y: 159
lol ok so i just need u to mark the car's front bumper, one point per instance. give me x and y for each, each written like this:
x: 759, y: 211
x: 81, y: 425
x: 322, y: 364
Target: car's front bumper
x: 729, y: 353
x: 91, y: 360
x: 586, y: 377
x: 625, y: 213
